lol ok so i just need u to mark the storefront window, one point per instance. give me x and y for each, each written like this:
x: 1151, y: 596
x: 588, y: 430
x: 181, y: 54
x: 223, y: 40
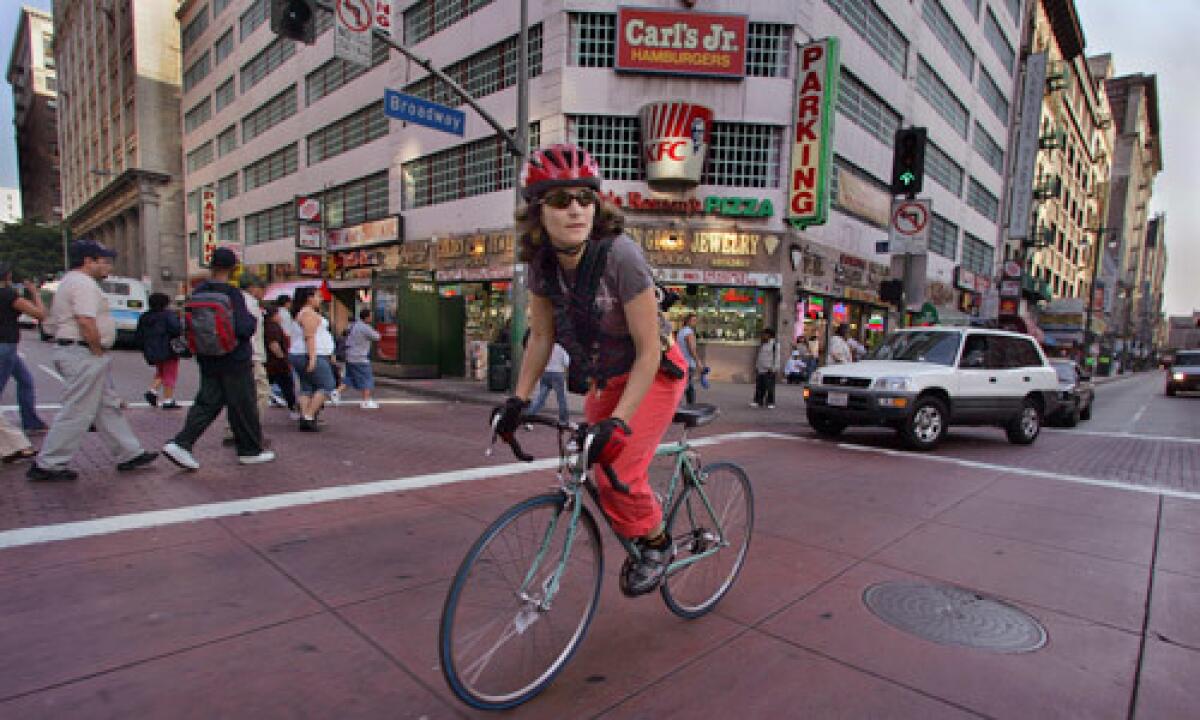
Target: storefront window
x: 386, y: 307
x: 725, y: 314
x: 488, y: 309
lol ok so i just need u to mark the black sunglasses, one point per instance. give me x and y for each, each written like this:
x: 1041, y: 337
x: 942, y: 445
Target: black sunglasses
x: 561, y: 199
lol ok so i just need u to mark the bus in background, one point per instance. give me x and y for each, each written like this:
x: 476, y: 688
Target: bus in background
x: 127, y: 301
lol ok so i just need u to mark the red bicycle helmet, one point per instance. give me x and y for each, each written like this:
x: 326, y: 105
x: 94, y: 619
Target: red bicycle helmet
x: 557, y: 166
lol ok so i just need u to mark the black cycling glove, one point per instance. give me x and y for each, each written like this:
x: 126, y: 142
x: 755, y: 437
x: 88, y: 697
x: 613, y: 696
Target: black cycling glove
x: 506, y: 418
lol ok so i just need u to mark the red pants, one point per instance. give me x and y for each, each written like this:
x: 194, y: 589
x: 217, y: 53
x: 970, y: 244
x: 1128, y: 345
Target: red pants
x: 637, y: 513
x: 167, y: 371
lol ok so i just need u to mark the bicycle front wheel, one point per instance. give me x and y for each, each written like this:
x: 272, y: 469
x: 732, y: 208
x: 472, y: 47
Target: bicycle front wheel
x: 710, y: 525
x: 502, y: 640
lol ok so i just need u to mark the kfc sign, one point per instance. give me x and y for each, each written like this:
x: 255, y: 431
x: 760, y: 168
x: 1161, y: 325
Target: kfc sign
x: 675, y: 138
x: 812, y: 133
x: 681, y: 43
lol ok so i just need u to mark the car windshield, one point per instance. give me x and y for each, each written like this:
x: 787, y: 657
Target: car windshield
x: 1188, y: 358
x: 931, y: 346
x: 1066, y: 372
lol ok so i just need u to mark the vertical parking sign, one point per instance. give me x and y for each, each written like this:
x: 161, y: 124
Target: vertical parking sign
x: 208, y: 225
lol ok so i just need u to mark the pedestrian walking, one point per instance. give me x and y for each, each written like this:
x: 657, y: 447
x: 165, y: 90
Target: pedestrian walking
x: 554, y: 377
x: 14, y: 302
x: 310, y: 354
x: 83, y: 329
x: 14, y: 445
x: 279, y: 370
x: 254, y: 287
x: 766, y: 366
x: 814, y: 354
x: 839, y: 348
x: 359, y: 376
x: 686, y: 339
x: 156, y: 329
x: 794, y: 371
x: 219, y: 330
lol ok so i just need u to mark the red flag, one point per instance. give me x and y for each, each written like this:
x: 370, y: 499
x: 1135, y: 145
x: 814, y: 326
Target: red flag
x: 326, y: 296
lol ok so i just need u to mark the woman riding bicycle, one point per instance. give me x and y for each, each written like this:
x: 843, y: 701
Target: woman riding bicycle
x: 622, y: 354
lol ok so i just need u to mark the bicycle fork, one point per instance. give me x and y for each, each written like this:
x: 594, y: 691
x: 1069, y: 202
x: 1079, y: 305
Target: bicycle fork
x: 551, y: 583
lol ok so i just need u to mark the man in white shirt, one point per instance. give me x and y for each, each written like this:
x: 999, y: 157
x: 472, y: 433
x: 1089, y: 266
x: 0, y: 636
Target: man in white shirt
x: 554, y: 378
x: 359, y: 375
x: 839, y: 348
x: 84, y: 329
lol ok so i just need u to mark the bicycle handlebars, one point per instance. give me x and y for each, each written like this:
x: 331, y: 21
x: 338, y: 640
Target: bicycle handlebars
x: 579, y: 430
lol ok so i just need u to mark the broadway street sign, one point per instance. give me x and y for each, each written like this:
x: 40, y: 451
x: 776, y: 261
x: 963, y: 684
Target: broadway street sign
x: 422, y: 112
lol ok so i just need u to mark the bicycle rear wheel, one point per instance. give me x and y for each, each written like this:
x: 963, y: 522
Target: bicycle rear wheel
x: 724, y: 523
x: 499, y: 646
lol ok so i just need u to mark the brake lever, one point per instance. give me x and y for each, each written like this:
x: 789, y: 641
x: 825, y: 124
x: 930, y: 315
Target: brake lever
x: 509, y: 439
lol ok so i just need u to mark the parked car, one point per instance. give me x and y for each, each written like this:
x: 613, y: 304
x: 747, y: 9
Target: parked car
x: 1184, y: 372
x: 920, y: 381
x: 1076, y: 393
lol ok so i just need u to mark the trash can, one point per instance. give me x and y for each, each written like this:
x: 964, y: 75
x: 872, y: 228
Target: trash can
x: 499, y: 370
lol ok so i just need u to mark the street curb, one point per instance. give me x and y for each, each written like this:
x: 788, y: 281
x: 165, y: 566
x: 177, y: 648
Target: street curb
x: 438, y: 393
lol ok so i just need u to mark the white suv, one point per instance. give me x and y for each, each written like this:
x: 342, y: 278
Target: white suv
x: 921, y: 380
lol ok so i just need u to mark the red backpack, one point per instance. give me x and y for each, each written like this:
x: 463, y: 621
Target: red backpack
x: 208, y: 318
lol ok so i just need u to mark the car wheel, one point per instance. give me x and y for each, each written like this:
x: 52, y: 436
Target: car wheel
x: 1071, y: 419
x: 1086, y: 413
x: 1170, y: 391
x: 1024, y: 428
x: 826, y: 426
x: 926, y: 425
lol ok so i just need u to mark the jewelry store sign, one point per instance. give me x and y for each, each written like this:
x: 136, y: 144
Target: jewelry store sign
x: 812, y: 133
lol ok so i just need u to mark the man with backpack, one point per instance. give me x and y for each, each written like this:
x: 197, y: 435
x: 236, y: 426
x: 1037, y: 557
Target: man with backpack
x: 219, y: 328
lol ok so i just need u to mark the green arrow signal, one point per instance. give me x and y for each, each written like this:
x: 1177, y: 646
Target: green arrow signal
x: 907, y: 178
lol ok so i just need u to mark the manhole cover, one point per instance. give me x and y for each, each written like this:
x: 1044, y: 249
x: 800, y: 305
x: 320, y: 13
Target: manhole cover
x: 953, y: 616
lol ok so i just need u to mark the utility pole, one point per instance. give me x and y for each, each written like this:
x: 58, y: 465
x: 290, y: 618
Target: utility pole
x: 517, y: 290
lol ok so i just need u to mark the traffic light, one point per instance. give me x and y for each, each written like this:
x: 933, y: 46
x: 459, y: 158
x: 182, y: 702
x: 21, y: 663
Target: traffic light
x: 294, y: 19
x: 908, y: 162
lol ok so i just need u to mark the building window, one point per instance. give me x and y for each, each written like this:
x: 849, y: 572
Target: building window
x: 988, y: 149
x: 48, y: 51
x: 337, y: 73
x: 219, y: 6
x: 278, y: 164
x: 198, y: 115
x: 269, y: 114
x: 866, y: 109
x: 593, y: 39
x: 992, y: 95
x: 223, y: 47
x: 426, y: 17
x: 943, y: 237
x: 874, y: 26
x: 348, y: 133
x: 943, y: 170
x: 271, y: 224
x: 983, y: 201
x: 767, y: 53
x: 853, y: 206
x: 942, y: 98
x: 947, y: 33
x: 271, y: 57
x: 227, y: 232
x: 995, y: 37
x: 471, y: 169
x: 613, y: 141
x: 195, y: 29
x: 357, y: 201
x: 197, y: 72
x: 227, y: 187
x: 224, y: 94
x: 200, y: 157
x: 227, y: 141
x: 973, y: 6
x: 743, y: 155
x: 194, y: 244
x: 977, y: 256
x: 255, y: 15
x: 487, y: 71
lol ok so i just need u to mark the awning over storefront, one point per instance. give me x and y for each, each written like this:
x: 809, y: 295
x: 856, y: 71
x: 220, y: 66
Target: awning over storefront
x: 289, y: 287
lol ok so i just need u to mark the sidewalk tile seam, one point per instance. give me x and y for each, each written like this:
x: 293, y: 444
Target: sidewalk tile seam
x: 5, y: 574
x: 1042, y: 545
x: 1147, y: 608
x: 161, y: 656
x: 870, y: 673
x: 333, y: 611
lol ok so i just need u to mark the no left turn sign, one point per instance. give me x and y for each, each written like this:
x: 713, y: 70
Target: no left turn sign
x: 911, y: 218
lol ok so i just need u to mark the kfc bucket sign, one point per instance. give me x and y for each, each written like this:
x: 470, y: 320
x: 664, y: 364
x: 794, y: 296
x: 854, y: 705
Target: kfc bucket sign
x: 675, y: 137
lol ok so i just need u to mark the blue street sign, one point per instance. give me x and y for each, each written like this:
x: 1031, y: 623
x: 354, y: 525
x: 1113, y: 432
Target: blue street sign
x: 422, y: 112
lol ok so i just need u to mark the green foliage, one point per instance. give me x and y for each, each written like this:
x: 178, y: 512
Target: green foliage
x: 34, y: 250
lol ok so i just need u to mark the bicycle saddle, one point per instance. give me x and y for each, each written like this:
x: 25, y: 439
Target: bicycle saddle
x: 694, y: 416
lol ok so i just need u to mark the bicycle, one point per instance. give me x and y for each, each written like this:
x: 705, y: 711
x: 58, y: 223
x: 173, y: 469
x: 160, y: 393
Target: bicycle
x: 525, y: 594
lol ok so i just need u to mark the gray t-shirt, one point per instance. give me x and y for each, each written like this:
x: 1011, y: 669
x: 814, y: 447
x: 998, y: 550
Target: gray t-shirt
x: 626, y: 275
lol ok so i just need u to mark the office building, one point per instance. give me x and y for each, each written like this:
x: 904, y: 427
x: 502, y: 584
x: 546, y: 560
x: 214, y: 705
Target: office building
x: 34, y: 81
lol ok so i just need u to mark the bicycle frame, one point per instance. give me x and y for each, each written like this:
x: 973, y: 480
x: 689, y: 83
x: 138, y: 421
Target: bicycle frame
x: 573, y: 480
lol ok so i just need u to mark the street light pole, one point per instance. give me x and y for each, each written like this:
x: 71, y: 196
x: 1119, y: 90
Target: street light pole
x: 518, y: 286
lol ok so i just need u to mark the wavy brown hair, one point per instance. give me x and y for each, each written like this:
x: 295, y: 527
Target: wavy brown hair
x: 531, y: 234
